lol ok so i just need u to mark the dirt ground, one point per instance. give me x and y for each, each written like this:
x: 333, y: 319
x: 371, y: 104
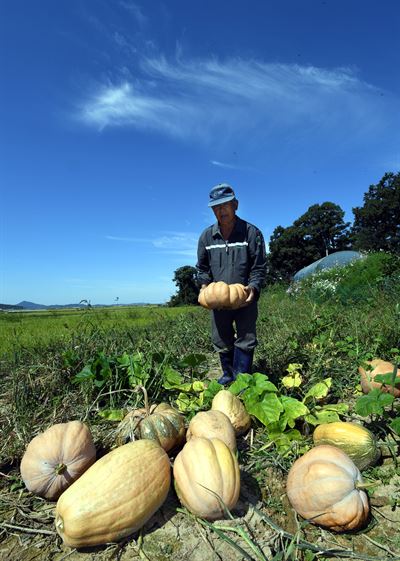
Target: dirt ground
x: 262, y: 517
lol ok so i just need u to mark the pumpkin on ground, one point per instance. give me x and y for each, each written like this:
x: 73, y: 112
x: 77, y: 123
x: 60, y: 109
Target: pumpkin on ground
x: 161, y: 423
x: 378, y: 366
x: 55, y: 458
x: 212, y: 424
x: 324, y: 486
x: 355, y: 440
x: 206, y: 476
x: 234, y: 409
x: 220, y: 295
x: 115, y: 496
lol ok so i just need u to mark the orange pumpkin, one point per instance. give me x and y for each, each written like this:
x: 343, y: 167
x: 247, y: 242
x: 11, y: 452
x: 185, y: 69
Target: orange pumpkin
x: 220, y: 295
x: 324, y: 486
x: 57, y: 457
x: 378, y: 366
x: 206, y: 477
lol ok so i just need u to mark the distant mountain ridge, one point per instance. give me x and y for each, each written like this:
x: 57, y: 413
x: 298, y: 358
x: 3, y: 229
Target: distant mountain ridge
x: 25, y: 305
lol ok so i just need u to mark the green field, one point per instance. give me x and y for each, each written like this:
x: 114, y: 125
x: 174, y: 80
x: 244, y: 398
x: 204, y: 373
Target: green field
x: 35, y: 329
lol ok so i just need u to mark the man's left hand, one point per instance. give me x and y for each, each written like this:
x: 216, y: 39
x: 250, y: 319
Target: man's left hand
x: 251, y: 294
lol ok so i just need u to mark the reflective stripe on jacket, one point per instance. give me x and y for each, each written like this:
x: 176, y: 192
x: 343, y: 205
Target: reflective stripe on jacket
x: 242, y: 258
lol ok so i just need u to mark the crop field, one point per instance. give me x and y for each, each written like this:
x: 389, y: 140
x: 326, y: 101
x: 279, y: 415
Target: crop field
x: 97, y: 365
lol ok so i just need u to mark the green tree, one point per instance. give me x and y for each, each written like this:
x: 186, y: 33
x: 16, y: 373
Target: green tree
x: 321, y: 230
x: 185, y: 280
x: 377, y: 223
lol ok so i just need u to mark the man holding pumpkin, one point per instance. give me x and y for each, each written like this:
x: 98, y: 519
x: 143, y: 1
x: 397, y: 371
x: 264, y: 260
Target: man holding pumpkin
x: 232, y: 250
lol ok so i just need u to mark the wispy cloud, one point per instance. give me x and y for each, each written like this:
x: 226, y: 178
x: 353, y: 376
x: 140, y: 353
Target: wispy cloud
x: 135, y: 10
x: 208, y: 99
x: 177, y: 243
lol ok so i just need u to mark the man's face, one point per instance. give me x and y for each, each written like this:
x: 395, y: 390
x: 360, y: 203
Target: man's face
x: 225, y: 213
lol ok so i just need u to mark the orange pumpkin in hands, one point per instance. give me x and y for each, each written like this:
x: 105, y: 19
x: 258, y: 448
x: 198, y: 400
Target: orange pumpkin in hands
x: 220, y: 295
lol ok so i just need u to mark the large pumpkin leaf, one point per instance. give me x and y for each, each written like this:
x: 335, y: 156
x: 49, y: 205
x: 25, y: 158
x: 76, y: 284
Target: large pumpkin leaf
x: 292, y: 410
x: 319, y: 390
x: 373, y: 403
x: 267, y: 410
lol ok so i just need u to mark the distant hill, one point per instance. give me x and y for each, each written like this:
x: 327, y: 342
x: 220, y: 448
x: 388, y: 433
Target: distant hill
x: 25, y: 305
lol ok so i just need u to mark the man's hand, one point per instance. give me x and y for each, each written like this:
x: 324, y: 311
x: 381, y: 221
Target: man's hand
x: 251, y: 294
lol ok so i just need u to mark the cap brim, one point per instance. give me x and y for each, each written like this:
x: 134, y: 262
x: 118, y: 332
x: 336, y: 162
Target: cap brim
x: 221, y: 201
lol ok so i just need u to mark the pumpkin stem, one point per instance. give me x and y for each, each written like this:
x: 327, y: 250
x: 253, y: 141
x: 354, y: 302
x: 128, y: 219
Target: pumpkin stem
x: 60, y: 468
x: 146, y: 398
x: 362, y: 486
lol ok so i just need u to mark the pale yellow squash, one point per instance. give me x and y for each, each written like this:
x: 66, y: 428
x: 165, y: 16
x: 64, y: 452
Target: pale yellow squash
x: 358, y: 442
x: 206, y: 472
x: 116, y: 496
x: 212, y: 424
x: 234, y: 409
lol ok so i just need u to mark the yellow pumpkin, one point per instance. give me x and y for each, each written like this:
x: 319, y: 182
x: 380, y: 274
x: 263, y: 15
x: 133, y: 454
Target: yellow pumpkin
x: 115, y: 496
x: 220, y: 295
x: 161, y: 423
x: 56, y: 457
x: 234, y: 409
x: 357, y: 441
x: 324, y: 486
x: 378, y: 366
x: 206, y: 470
x: 212, y: 424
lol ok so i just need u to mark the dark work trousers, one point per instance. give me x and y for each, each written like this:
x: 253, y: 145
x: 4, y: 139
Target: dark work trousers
x: 234, y: 327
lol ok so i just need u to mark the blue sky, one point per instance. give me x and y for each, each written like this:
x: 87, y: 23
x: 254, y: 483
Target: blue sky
x: 117, y: 118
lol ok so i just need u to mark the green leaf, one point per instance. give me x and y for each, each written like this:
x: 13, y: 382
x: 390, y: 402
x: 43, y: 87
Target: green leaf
x: 293, y: 409
x: 319, y: 390
x: 395, y: 425
x: 292, y: 381
x: 374, y: 402
x: 262, y: 384
x: 193, y: 360
x: 267, y: 411
x: 320, y: 417
x: 112, y: 414
x: 172, y: 378
x: 85, y: 374
x: 241, y: 383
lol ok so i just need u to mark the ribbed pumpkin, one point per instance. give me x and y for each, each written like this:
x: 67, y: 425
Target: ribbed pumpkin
x: 204, y: 470
x: 234, y: 409
x: 115, y: 496
x: 161, y: 423
x: 324, y: 486
x: 56, y: 457
x: 378, y: 366
x: 212, y: 424
x: 220, y: 295
x: 355, y: 440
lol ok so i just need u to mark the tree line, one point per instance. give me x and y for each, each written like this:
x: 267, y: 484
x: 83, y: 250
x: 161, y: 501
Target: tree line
x: 320, y: 231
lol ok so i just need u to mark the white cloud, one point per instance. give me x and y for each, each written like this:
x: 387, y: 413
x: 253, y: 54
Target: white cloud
x: 135, y: 10
x: 210, y: 99
x: 176, y: 243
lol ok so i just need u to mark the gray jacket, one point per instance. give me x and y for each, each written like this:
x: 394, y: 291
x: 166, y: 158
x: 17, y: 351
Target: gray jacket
x: 241, y: 259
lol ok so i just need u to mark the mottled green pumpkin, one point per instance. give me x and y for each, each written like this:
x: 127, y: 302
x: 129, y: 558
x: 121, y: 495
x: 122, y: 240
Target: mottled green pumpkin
x: 355, y: 440
x: 159, y: 422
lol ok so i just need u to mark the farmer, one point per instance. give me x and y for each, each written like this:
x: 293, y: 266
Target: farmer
x: 233, y: 251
